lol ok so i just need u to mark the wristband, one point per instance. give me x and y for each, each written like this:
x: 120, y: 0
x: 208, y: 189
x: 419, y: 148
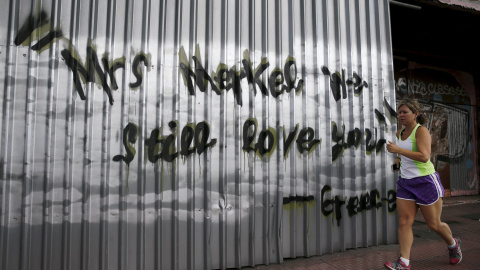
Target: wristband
x: 398, y: 158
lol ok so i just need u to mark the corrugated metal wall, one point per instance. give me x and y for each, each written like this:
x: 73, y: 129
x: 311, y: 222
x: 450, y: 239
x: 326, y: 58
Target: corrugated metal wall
x: 193, y: 134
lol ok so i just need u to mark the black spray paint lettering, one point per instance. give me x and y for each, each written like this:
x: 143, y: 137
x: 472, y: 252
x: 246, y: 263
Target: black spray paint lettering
x: 45, y: 41
x: 253, y: 76
x: 267, y: 139
x: 89, y: 74
x: 290, y: 71
x: 287, y: 200
x: 266, y: 142
x: 287, y: 140
x: 168, y: 144
x: 368, y: 201
x: 111, y: 68
x: 377, y: 145
x: 355, y: 205
x: 275, y: 83
x: 380, y: 117
x: 337, y: 149
x: 91, y: 71
x: 186, y: 139
x: 37, y: 22
x: 233, y: 79
x: 201, y: 77
x: 306, y: 140
x: 249, y: 133
x: 152, y: 145
x: 354, y: 138
x: 202, y: 133
x: 163, y: 147
x: 338, y: 83
x: 279, y: 81
x: 389, y: 108
x: 130, y: 133
x: 94, y: 71
x: 330, y: 206
x: 137, y: 71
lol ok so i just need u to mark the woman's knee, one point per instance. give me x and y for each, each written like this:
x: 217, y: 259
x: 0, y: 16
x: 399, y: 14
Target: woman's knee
x: 435, y: 225
x: 405, y: 220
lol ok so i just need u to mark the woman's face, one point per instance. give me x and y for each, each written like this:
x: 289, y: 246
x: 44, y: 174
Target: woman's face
x: 406, y: 116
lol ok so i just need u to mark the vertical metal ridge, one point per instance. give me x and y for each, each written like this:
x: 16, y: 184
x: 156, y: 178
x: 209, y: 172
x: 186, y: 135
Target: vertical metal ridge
x: 26, y: 178
x: 192, y: 166
x: 238, y: 160
x: 86, y: 185
x: 364, y: 70
x: 292, y: 172
x: 266, y: 220
x: 317, y: 159
x: 328, y: 110
x: 251, y: 173
x: 358, y: 55
x: 105, y: 196
x: 5, y: 157
x: 174, y: 167
x: 340, y: 117
x: 123, y: 259
x: 223, y: 186
x: 4, y: 186
x: 369, y: 119
x: 349, y: 172
x: 250, y: 176
x: 57, y: 209
x: 318, y: 27
x: 207, y: 199
x: 305, y: 155
x: 27, y: 195
x: 160, y: 87
x: 275, y: 223
x: 70, y: 117
x: 67, y: 174
x: 377, y: 105
x: 268, y: 165
x: 50, y: 139
x: 141, y: 179
x: 354, y: 67
x: 87, y: 230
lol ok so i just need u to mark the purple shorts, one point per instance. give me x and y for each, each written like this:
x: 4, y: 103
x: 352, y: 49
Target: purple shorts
x: 424, y: 190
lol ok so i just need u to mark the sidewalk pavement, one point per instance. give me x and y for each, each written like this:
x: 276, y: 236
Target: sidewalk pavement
x: 429, y: 251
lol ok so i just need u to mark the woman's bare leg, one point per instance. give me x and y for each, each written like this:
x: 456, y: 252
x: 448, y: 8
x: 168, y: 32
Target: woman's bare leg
x: 407, y: 210
x: 432, y: 214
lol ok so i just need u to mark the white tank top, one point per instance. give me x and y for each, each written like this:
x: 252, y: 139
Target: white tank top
x: 410, y: 168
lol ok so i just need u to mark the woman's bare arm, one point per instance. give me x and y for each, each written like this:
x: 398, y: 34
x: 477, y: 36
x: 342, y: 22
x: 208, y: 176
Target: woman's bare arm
x: 424, y: 144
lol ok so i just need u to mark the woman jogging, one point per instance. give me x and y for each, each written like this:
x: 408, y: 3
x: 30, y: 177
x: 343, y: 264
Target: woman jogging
x: 419, y: 185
